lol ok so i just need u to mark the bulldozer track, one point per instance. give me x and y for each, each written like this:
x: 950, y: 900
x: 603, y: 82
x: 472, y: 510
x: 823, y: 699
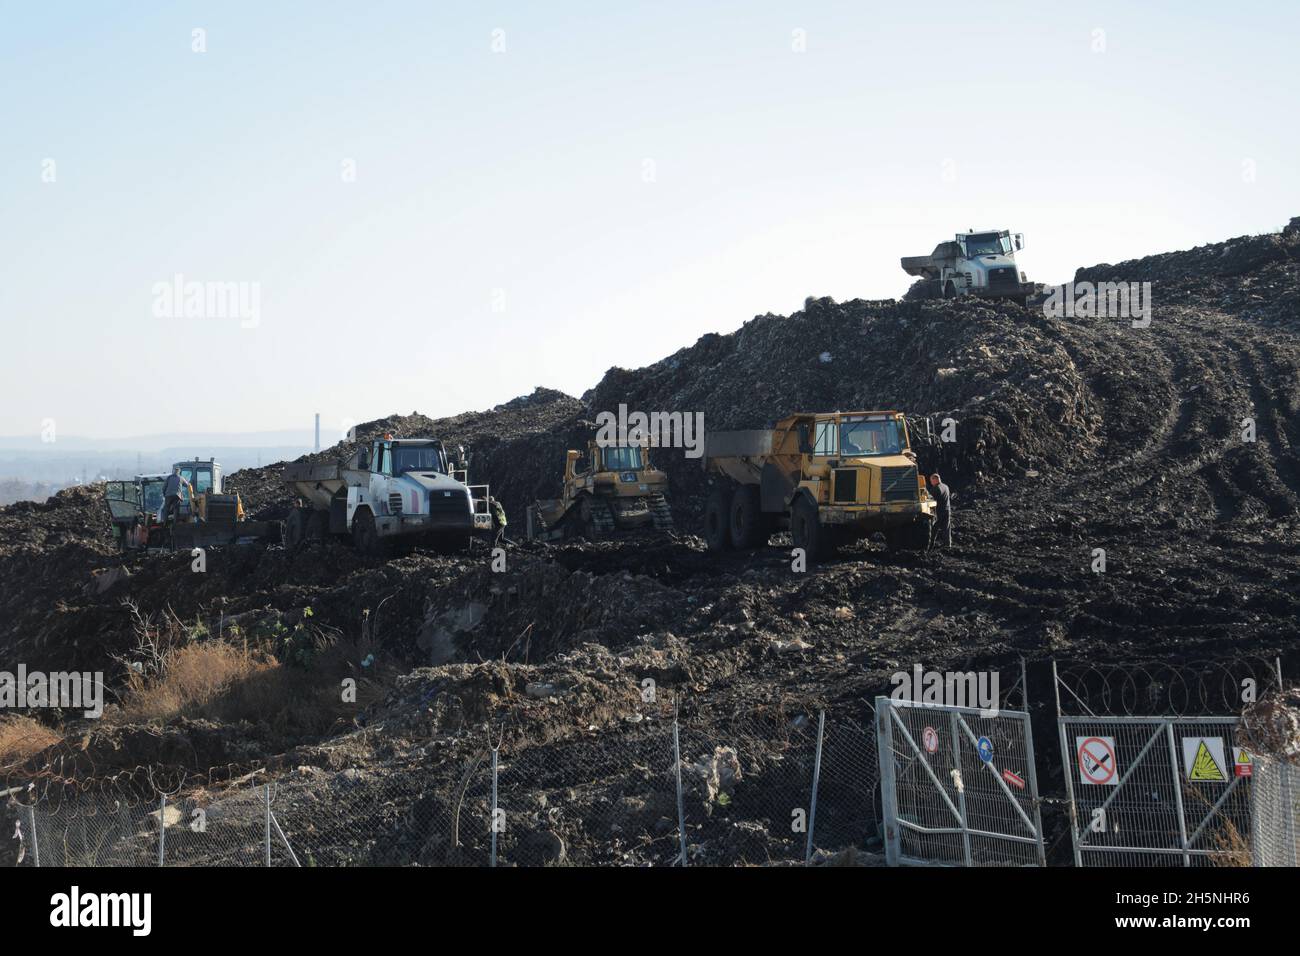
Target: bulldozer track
x: 602, y: 519
x: 660, y: 513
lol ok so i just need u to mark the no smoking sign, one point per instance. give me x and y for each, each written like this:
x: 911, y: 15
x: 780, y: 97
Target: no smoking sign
x: 1096, y: 759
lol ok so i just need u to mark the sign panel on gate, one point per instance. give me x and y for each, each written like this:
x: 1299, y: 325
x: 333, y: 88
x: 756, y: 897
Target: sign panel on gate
x: 930, y: 739
x: 1203, y: 760
x: 953, y: 814
x: 1096, y: 759
x: 1242, y: 767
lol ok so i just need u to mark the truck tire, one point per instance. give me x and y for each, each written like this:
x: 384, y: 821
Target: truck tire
x: 920, y: 533
x: 717, y: 519
x: 365, y: 536
x: 746, y: 518
x: 910, y: 537
x: 295, y: 528
x: 318, y: 525
x: 806, y: 529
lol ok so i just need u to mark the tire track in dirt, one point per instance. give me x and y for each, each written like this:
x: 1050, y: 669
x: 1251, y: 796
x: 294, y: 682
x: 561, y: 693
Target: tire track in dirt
x: 1271, y: 425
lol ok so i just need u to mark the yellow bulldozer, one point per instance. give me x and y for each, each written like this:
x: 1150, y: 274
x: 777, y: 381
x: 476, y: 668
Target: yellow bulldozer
x: 607, y: 490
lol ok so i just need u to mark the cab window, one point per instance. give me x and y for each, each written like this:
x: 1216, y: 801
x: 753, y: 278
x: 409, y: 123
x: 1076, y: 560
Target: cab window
x: 622, y: 458
x: 825, y: 443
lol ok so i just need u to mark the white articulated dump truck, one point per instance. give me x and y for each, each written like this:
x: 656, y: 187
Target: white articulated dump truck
x: 975, y: 263
x: 396, y: 487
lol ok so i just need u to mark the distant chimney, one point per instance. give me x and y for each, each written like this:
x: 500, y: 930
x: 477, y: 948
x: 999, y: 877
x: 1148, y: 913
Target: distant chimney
x: 318, y: 431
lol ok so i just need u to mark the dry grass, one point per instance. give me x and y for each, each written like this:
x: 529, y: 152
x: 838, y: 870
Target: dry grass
x: 229, y: 683
x: 189, y: 681
x: 21, y: 738
x: 1234, y: 847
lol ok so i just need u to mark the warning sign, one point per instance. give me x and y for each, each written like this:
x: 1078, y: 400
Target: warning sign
x: 930, y: 740
x: 1203, y: 760
x: 1014, y: 779
x: 1242, y: 765
x: 1096, y: 759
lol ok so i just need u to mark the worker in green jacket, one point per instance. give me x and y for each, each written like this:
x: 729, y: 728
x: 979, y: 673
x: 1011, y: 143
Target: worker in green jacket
x: 498, y: 522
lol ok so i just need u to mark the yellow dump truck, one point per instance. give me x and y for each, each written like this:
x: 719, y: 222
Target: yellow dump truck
x: 827, y: 477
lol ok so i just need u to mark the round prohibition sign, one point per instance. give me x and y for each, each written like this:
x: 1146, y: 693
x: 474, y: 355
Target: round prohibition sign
x: 930, y: 740
x: 1096, y: 760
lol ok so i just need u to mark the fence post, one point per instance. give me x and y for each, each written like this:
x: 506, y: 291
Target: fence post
x: 1178, y: 792
x: 888, y: 793
x: 817, y: 774
x: 493, y: 818
x: 266, y: 789
x: 961, y: 789
x: 162, y: 828
x: 681, y: 811
x: 1032, y: 772
x: 31, y: 826
x: 279, y: 831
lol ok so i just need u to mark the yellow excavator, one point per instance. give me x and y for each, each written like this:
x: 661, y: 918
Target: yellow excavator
x: 607, y: 490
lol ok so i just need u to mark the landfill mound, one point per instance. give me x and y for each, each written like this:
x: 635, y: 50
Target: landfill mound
x: 1074, y: 435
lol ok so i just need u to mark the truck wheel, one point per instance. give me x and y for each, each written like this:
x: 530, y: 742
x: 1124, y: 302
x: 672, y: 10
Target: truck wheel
x: 920, y: 533
x: 318, y: 525
x: 717, y: 519
x: 747, y: 518
x: 365, y: 536
x: 806, y: 530
x: 295, y: 528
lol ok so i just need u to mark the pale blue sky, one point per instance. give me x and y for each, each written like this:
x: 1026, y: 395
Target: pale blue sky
x: 516, y: 180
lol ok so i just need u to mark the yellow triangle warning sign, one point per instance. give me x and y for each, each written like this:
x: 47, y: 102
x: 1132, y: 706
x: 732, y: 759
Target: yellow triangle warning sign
x: 1242, y: 768
x: 1204, y: 766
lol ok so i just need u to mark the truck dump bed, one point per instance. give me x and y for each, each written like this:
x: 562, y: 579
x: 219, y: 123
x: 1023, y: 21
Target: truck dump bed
x: 309, y: 471
x: 930, y: 267
x: 316, y: 482
x: 750, y: 443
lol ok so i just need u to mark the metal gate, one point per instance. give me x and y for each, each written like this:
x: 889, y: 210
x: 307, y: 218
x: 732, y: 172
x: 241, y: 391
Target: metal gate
x: 1156, y: 791
x: 958, y: 787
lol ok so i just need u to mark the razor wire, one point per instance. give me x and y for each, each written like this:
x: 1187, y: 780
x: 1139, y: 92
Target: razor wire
x: 1163, y: 689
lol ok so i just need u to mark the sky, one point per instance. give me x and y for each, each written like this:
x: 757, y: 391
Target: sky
x: 439, y: 206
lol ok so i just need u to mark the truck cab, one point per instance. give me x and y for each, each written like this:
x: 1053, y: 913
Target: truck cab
x: 408, y: 486
x: 989, y: 261
x: 860, y: 463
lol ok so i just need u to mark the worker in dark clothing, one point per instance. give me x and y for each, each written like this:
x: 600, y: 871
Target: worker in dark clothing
x: 172, y: 495
x: 943, y: 513
x: 498, y: 522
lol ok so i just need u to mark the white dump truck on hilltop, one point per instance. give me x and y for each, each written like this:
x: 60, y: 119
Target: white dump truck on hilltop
x: 974, y: 263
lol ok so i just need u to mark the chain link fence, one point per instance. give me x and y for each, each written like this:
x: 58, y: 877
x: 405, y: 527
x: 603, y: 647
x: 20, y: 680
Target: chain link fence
x: 1275, y: 812
x: 655, y: 791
